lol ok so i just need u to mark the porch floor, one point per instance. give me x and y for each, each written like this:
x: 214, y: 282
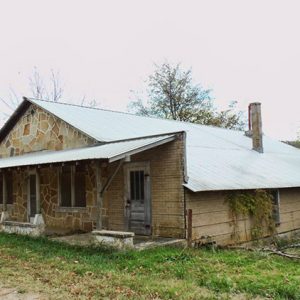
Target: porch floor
x: 140, y: 242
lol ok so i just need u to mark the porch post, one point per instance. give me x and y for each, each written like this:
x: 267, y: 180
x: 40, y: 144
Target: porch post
x: 99, y: 196
x: 38, y: 192
x: 4, y: 193
x: 73, y: 170
x: 4, y: 215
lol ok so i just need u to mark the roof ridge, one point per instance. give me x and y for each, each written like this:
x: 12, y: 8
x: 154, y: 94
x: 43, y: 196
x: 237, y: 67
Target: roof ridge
x: 131, y: 114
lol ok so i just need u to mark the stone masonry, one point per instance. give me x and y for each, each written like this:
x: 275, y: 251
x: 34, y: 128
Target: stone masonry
x: 38, y: 130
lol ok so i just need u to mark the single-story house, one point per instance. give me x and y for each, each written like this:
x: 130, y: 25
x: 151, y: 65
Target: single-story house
x: 71, y: 168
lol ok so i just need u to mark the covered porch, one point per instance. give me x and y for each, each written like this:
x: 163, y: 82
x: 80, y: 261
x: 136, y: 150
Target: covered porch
x: 94, y: 188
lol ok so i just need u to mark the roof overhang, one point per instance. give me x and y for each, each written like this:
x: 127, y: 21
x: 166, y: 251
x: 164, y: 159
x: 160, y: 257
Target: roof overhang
x: 10, y: 123
x: 109, y: 152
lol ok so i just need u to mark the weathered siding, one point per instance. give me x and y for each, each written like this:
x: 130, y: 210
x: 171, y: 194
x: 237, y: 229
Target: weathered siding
x: 38, y: 130
x: 212, y: 220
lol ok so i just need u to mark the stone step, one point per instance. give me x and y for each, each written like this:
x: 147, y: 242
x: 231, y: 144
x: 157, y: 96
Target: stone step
x: 18, y: 224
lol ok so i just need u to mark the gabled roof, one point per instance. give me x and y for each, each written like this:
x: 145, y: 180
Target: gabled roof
x: 217, y: 158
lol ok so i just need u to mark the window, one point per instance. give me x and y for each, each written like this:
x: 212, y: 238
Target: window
x: 9, y: 187
x: 1, y: 188
x: 137, y: 185
x: 276, y: 206
x: 72, y: 186
x: 65, y: 187
x: 80, y: 200
x: 32, y: 194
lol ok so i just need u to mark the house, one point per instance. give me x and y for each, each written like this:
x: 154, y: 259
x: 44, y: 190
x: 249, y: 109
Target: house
x: 67, y: 168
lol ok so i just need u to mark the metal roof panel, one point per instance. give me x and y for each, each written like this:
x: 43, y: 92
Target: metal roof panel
x: 217, y: 158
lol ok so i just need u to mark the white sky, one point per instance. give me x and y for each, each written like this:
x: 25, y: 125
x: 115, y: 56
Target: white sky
x: 243, y: 50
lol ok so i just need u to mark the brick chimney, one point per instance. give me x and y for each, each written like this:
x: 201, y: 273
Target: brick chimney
x: 255, y: 126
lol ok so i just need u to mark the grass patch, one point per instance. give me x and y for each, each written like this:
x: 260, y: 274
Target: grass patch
x: 68, y: 272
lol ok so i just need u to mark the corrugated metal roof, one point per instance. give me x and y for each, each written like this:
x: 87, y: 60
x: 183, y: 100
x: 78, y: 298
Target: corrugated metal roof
x: 217, y: 159
x: 111, y: 152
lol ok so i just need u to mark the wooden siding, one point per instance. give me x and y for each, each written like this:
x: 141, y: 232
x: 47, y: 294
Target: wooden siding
x: 212, y: 220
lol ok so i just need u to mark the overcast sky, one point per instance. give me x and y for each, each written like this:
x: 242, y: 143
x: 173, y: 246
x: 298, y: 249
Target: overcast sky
x: 243, y: 50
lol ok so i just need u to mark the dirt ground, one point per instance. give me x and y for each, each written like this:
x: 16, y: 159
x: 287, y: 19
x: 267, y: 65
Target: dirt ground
x: 13, y: 294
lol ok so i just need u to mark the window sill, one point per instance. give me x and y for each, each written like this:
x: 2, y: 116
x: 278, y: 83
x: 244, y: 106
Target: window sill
x: 70, y: 209
x: 9, y: 205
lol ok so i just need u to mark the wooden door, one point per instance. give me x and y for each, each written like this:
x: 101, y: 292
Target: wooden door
x: 138, y: 199
x: 32, y: 195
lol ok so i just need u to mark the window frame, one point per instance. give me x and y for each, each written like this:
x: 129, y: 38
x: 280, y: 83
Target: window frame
x: 9, y: 187
x: 73, y: 189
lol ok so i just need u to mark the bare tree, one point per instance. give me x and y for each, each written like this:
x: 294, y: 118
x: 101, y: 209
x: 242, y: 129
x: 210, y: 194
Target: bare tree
x: 39, y: 89
x: 52, y: 91
x: 45, y: 88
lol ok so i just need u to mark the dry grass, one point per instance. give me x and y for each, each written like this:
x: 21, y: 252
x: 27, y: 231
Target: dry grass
x: 65, y: 272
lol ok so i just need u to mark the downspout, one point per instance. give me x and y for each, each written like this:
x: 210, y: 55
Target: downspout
x: 103, y: 190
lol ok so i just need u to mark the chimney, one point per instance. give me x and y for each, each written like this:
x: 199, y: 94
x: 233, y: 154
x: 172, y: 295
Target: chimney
x: 255, y: 126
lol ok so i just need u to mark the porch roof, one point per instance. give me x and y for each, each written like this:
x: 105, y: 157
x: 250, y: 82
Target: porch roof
x: 110, y: 151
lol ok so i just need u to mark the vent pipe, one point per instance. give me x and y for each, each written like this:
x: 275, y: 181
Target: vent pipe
x: 255, y: 126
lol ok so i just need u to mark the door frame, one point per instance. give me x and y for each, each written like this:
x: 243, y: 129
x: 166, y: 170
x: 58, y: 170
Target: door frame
x: 135, y: 166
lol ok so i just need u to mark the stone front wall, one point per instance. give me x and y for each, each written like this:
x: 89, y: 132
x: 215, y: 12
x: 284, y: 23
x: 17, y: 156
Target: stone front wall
x: 212, y: 221
x: 57, y: 219
x: 18, y: 210
x: 167, y: 195
x: 38, y: 130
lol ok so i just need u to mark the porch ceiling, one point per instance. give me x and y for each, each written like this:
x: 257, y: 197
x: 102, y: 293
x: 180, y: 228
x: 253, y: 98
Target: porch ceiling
x: 111, y: 152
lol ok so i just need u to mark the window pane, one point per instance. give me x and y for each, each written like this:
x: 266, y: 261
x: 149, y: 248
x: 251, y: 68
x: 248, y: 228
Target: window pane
x: 1, y: 188
x: 9, y: 184
x: 80, y: 197
x: 142, y: 177
x: 137, y: 185
x: 65, y: 185
x: 32, y: 183
x: 132, y: 186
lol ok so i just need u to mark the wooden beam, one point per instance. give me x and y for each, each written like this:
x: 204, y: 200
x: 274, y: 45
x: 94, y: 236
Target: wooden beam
x: 189, y: 227
x: 99, y: 199
x: 73, y: 169
x: 4, y: 192
x: 110, y: 179
x: 38, y: 191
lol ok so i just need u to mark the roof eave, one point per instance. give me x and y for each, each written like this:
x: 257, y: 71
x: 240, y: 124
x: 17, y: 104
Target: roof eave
x: 141, y: 149
x: 12, y: 120
x: 51, y: 113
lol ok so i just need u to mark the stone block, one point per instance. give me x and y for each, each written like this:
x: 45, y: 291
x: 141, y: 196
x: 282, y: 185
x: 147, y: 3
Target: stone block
x: 116, y: 239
